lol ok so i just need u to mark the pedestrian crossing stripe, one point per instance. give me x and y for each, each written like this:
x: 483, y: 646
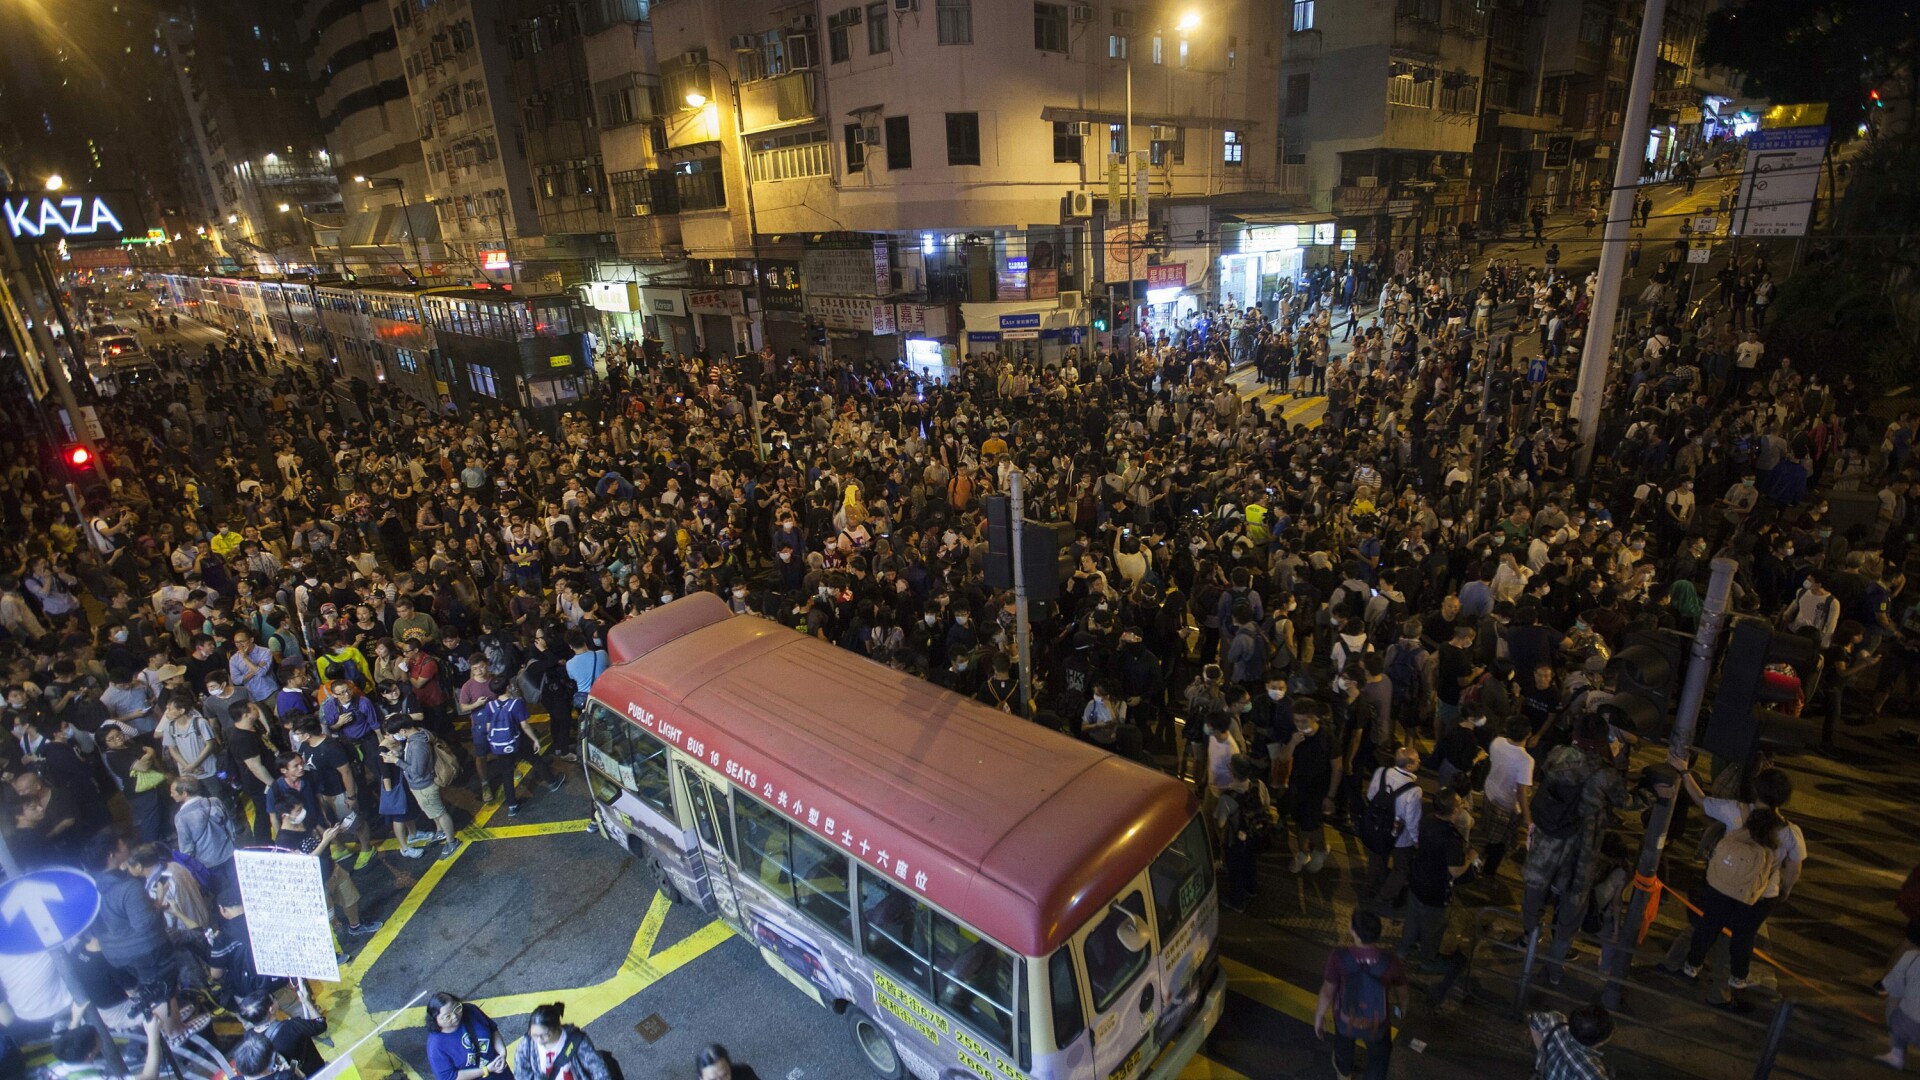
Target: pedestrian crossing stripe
x: 1272, y: 991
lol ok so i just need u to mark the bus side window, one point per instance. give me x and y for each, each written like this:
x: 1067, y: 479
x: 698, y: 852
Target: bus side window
x: 648, y: 758
x: 820, y: 881
x: 1064, y: 990
x: 1181, y: 876
x: 763, y: 847
x: 893, y: 931
x: 973, y: 979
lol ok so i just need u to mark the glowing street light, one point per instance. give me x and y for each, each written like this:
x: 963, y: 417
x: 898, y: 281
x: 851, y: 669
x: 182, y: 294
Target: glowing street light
x: 1189, y: 22
x: 56, y: 182
x: 695, y: 99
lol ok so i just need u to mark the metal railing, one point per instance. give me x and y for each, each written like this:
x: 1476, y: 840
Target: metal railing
x: 793, y: 162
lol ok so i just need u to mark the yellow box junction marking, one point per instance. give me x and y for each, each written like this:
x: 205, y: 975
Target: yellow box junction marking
x: 349, y: 1020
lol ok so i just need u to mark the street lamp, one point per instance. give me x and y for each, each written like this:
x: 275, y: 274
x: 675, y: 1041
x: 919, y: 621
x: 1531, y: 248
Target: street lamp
x: 1186, y: 24
x: 284, y: 207
x: 56, y: 182
x: 413, y: 235
x: 697, y: 100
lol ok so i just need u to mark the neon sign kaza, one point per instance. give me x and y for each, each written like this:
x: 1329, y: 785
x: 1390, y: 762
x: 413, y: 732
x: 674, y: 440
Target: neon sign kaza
x: 70, y: 216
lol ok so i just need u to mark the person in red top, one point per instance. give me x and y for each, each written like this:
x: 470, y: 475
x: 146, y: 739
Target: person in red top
x: 1363, y: 990
x: 423, y: 674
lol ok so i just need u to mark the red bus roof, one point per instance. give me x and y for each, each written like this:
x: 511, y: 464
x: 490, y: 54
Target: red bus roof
x: 1020, y: 832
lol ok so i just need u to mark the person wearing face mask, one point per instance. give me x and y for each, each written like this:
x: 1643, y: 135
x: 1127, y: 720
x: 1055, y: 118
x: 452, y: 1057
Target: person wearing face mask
x: 1314, y: 767
x: 555, y: 1050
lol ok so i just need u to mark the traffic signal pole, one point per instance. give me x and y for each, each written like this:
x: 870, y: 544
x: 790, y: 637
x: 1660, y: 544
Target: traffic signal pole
x: 1693, y: 693
x: 1023, y: 641
x: 1597, y: 350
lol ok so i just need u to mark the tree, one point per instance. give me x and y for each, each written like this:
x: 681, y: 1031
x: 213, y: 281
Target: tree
x: 1808, y: 51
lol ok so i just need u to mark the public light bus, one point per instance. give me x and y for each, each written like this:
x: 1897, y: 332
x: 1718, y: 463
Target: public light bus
x: 978, y: 897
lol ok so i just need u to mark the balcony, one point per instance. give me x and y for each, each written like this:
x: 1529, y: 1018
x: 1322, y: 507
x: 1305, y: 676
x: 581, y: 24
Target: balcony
x: 1290, y: 179
x: 779, y: 101
x: 793, y: 162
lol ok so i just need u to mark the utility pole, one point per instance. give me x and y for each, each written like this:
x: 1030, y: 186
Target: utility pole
x: 1693, y: 692
x: 1596, y: 351
x: 1023, y: 641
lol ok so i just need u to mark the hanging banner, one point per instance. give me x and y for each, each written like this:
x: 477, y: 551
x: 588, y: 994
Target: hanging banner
x: 1126, y: 250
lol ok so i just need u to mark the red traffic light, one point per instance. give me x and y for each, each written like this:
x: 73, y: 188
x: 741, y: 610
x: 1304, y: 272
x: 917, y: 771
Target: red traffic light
x: 79, y: 457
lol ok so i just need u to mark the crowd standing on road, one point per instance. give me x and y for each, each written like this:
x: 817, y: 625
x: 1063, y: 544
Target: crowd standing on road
x: 277, y: 617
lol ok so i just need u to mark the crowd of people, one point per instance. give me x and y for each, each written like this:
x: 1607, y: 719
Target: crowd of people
x: 296, y: 606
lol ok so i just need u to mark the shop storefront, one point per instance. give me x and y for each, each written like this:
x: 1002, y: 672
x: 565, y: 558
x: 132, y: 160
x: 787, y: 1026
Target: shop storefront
x: 857, y: 326
x: 1271, y: 259
x: 664, y: 314
x: 618, y: 308
x: 1023, y: 331
x: 722, y: 318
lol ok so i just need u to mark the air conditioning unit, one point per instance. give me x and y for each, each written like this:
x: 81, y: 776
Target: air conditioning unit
x: 1123, y: 20
x: 901, y: 7
x: 852, y: 16
x: 743, y: 43
x: 1082, y: 13
x: 1081, y: 129
x: 866, y: 136
x: 802, y: 22
x: 1079, y: 204
x: 1072, y: 301
x: 537, y: 99
x: 904, y: 279
x: 1163, y: 133
x: 1366, y: 181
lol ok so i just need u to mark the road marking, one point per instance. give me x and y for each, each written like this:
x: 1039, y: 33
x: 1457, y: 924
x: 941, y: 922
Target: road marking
x: 1203, y: 1067
x: 350, y: 1021
x: 1272, y: 991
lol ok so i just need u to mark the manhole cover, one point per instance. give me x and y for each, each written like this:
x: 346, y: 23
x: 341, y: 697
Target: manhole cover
x: 652, y: 1029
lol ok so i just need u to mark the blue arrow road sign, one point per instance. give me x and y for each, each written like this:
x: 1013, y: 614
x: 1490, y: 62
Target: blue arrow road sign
x: 44, y: 909
x: 1537, y: 370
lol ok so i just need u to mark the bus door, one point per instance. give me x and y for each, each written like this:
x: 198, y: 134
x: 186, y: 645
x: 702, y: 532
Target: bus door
x: 707, y: 796
x: 1124, y: 984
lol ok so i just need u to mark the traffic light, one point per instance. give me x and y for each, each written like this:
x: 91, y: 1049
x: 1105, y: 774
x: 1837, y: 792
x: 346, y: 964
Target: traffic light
x: 1046, y: 551
x: 1102, y: 314
x: 1123, y: 313
x: 1762, y: 668
x: 1646, y: 674
x: 78, y: 461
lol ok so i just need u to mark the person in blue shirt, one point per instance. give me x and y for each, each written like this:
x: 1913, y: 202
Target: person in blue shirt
x: 463, y: 1042
x: 509, y: 737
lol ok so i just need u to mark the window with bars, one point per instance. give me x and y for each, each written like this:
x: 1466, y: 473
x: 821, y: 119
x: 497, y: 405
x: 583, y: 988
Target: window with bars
x: 1050, y: 27
x: 791, y: 156
x: 699, y: 184
x: 1413, y: 89
x: 955, y: 19
x: 1067, y: 143
x: 1460, y: 94
x: 1233, y: 149
x: 839, y: 38
x: 1171, y: 150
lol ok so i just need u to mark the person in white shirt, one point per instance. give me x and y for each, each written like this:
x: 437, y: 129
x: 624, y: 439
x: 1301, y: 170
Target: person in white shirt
x: 1509, y: 792
x: 1769, y: 827
x: 1387, y: 874
x: 1816, y: 609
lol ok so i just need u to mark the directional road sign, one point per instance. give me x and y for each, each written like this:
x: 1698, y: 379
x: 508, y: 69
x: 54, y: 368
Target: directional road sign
x: 45, y: 908
x: 1537, y: 370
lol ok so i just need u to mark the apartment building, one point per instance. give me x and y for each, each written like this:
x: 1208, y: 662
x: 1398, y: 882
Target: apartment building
x: 456, y: 55
x: 359, y: 86
x: 940, y: 169
x: 242, y: 92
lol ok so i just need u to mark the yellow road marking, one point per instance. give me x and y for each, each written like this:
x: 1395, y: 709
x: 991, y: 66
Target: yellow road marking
x: 1275, y: 993
x: 350, y: 1020
x: 1203, y: 1067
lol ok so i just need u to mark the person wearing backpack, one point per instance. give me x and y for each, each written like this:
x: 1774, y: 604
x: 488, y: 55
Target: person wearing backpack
x: 428, y: 766
x: 1439, y: 859
x: 1390, y: 827
x: 555, y: 1050
x: 1408, y: 667
x: 1362, y: 991
x: 1569, y: 812
x: 205, y: 829
x: 502, y: 722
x: 1244, y: 816
x: 1753, y: 868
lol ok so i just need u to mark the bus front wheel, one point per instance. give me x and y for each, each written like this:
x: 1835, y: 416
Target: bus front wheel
x: 874, y: 1044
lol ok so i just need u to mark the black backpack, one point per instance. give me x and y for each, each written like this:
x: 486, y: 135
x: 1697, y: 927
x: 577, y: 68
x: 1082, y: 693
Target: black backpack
x: 1556, y: 806
x: 1378, y: 817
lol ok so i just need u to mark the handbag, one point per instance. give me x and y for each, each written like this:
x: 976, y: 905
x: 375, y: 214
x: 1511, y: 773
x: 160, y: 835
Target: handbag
x: 393, y: 801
